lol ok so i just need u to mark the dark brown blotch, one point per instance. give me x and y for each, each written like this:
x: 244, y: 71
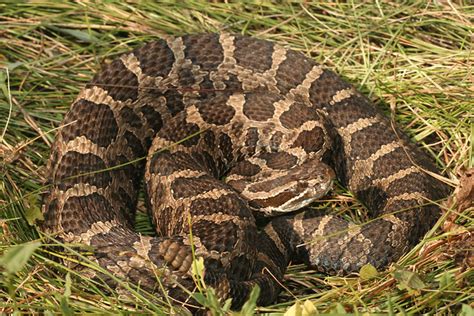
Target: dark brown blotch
x: 209, y: 138
x: 189, y: 187
x: 370, y: 139
x: 279, y: 160
x: 310, y: 141
x: 129, y: 117
x: 174, y: 102
x: 238, y: 185
x: 156, y: 58
x: 216, y: 110
x: 253, y: 54
x: 162, y: 220
x: 127, y: 171
x: 374, y: 198
x: 226, y: 204
x: 82, y: 168
x: 414, y: 182
x: 79, y: 212
x: 94, y: 121
x: 260, y: 106
x: 217, y: 236
x: 135, y: 144
x: 292, y: 71
x: 126, y: 203
x: 153, y: 117
x: 243, y: 265
x: 186, y: 79
x: 119, y: 82
x: 203, y: 50
x: 391, y: 163
x: 245, y: 168
x: 211, y: 165
x: 166, y: 163
x: 178, y: 129
x: 297, y: 115
x: 232, y: 85
x: 207, y: 89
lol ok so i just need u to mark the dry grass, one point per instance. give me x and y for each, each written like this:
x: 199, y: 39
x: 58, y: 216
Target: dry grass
x: 414, y: 59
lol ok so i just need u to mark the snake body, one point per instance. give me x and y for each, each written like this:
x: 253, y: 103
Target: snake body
x: 231, y: 126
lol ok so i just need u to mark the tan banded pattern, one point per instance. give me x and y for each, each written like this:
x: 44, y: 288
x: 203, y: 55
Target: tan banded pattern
x: 132, y: 64
x: 94, y: 230
x: 263, y: 120
x: 83, y: 145
x: 364, y: 168
x: 418, y: 196
x: 386, y: 182
x: 347, y: 131
x: 342, y: 95
x: 100, y: 96
x: 303, y: 88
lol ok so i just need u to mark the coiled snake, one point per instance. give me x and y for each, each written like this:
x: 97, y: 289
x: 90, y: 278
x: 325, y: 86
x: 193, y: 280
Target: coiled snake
x: 232, y: 126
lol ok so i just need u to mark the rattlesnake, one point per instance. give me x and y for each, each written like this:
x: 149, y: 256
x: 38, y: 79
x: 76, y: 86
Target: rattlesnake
x: 233, y: 126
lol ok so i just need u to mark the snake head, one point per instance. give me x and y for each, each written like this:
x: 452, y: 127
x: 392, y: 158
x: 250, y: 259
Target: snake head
x: 289, y: 190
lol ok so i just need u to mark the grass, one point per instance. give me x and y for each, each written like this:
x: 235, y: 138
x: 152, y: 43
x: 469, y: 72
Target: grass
x: 413, y: 58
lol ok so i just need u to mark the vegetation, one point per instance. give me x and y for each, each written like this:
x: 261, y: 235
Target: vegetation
x: 413, y: 58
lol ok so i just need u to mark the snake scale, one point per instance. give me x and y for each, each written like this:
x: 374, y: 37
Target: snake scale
x: 231, y: 126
